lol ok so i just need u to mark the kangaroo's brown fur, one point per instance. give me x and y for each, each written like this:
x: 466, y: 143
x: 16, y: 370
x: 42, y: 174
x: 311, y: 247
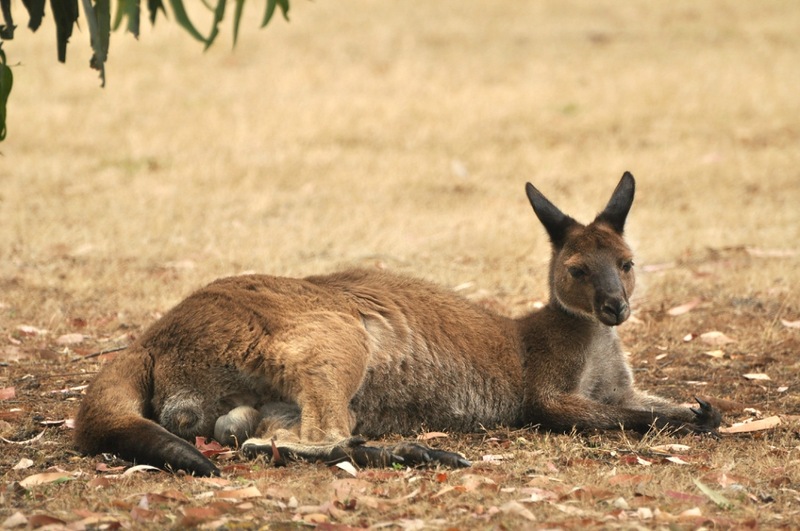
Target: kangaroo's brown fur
x: 303, y: 364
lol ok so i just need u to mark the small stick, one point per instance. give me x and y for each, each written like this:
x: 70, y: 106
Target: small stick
x: 96, y: 354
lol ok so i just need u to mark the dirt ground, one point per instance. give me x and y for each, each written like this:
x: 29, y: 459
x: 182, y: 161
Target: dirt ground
x: 396, y: 135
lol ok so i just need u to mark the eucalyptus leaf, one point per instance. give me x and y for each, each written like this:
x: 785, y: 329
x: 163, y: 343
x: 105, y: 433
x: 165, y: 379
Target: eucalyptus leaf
x: 65, y: 14
x: 237, y: 17
x: 219, y: 14
x: 7, y: 30
x: 6, y: 82
x: 35, y: 12
x: 183, y: 19
x: 152, y: 7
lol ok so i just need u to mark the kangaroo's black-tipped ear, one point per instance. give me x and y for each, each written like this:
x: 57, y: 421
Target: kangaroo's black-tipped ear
x: 555, y: 222
x: 619, y: 205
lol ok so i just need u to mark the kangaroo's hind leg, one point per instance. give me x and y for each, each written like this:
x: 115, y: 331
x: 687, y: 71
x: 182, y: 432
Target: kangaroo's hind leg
x: 319, y: 364
x: 279, y: 423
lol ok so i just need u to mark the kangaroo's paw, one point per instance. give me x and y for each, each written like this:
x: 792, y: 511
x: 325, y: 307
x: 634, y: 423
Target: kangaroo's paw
x: 353, y: 449
x: 406, y: 454
x: 707, y: 418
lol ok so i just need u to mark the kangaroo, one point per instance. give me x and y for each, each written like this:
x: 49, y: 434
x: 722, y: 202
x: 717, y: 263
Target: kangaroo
x: 303, y: 368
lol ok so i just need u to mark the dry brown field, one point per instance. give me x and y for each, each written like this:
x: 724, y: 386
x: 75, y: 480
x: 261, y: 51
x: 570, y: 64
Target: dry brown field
x: 400, y: 135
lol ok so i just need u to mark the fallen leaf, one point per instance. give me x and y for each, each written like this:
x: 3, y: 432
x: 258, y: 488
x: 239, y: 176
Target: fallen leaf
x: 194, y: 516
x: 211, y: 447
x: 102, y: 467
x: 28, y: 330
x: 676, y: 460
x: 15, y: 520
x: 241, y: 494
x: 70, y: 339
x: 684, y: 308
x: 689, y: 337
x: 45, y: 477
x: 7, y: 393
x: 684, y: 496
x: 630, y: 479
x: 756, y: 425
x: 715, y: 337
x: 41, y: 520
x: 432, y: 435
x: 23, y: 464
x: 140, y: 468
x: 673, y: 448
x: 713, y: 495
x: 714, y: 353
x: 643, y: 462
x: 514, y: 507
x: 771, y: 253
x: 492, y: 458
x: 348, y: 467
x: 756, y: 376
x: 790, y: 324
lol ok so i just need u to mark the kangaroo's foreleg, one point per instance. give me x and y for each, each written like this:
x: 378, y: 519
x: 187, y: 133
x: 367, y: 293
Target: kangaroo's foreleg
x: 566, y: 411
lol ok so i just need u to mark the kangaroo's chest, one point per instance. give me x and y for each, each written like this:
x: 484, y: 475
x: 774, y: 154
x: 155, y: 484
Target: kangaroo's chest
x: 606, y: 375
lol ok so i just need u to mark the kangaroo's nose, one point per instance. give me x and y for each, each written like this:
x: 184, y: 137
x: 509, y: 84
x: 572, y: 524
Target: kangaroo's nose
x: 614, y: 312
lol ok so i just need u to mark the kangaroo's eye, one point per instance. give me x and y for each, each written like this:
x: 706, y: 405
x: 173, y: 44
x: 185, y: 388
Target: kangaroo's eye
x: 627, y: 266
x: 577, y: 272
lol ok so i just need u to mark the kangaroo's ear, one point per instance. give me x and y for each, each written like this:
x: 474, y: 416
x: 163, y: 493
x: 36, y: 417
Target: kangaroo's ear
x: 619, y: 205
x: 555, y: 222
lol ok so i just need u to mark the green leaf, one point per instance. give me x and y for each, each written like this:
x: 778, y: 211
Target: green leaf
x: 152, y: 7
x: 237, y: 17
x: 131, y: 10
x: 183, y: 20
x: 98, y: 19
x: 269, y: 12
x: 65, y: 14
x: 7, y: 30
x: 6, y: 82
x: 219, y: 14
x: 284, y: 8
x: 713, y: 495
x: 35, y: 12
x: 271, y: 4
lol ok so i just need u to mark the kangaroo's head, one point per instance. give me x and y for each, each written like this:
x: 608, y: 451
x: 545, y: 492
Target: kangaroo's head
x: 591, y: 271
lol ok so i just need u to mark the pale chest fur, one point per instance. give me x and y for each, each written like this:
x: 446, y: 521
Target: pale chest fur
x: 606, y: 375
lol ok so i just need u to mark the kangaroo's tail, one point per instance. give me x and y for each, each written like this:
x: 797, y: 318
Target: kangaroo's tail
x: 113, y: 418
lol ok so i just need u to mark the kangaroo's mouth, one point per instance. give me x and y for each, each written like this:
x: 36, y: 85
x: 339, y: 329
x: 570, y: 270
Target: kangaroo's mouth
x: 613, y: 314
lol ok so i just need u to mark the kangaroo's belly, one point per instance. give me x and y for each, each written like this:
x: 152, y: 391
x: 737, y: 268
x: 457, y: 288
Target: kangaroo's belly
x: 436, y: 395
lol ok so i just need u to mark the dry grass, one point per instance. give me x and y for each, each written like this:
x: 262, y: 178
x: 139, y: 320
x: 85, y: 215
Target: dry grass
x: 399, y: 134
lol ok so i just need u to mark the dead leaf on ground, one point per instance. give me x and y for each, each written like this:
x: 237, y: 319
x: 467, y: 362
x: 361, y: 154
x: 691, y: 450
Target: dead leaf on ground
x: 7, y: 393
x: 715, y: 337
x: 23, y: 464
x: 673, y: 448
x: 756, y: 425
x: 44, y: 478
x: 713, y: 495
x: 514, y: 507
x: 771, y: 253
x: 141, y: 468
x: 70, y: 339
x: 41, y: 520
x: 756, y: 376
x: 432, y: 435
x: 28, y: 330
x: 790, y: 324
x: 241, y: 494
x: 194, y: 516
x: 15, y: 520
x: 684, y: 308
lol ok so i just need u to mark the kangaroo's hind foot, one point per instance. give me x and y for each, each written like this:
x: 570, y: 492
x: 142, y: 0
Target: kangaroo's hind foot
x: 353, y: 449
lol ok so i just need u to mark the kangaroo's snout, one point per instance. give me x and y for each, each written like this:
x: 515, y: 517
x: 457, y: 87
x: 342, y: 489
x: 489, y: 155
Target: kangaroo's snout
x: 614, y: 312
